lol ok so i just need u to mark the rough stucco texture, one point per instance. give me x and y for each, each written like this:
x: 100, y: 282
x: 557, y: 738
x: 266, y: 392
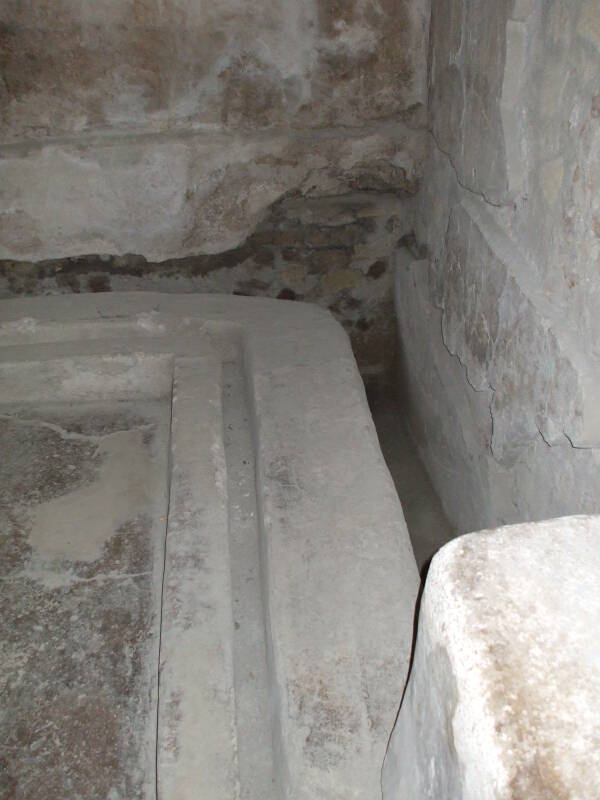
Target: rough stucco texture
x: 168, y: 128
x: 71, y: 66
x: 503, y: 360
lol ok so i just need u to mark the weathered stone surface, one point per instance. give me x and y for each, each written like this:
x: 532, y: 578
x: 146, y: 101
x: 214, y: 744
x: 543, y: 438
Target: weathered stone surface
x: 331, y: 747
x: 289, y: 256
x: 499, y: 333
x: 83, y: 498
x: 168, y: 197
x: 467, y: 70
x: 496, y: 440
x: 331, y: 678
x: 506, y: 417
x: 197, y: 739
x: 167, y: 129
x: 545, y: 144
x: 503, y: 700
x: 69, y: 67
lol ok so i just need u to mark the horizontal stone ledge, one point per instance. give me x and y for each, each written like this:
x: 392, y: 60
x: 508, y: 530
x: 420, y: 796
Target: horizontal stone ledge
x: 174, y: 196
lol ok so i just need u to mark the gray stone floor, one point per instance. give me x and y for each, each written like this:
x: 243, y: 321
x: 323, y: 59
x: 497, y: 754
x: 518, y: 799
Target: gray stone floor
x: 427, y: 523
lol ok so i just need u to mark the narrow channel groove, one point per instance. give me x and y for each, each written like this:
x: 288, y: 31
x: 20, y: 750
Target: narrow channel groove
x: 255, y: 749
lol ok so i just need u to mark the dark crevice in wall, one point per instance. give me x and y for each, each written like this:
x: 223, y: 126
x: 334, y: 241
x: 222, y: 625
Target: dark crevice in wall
x: 334, y: 251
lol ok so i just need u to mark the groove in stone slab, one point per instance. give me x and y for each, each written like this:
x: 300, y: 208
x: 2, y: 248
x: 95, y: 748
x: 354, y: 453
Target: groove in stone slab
x: 255, y: 747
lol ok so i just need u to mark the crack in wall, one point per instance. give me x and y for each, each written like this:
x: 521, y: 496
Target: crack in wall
x: 476, y: 192
x: 492, y: 390
x: 162, y: 588
x: 488, y: 388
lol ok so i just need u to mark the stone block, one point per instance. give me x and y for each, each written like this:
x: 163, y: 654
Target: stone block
x: 265, y: 597
x: 503, y: 700
x: 323, y: 261
x: 338, y: 280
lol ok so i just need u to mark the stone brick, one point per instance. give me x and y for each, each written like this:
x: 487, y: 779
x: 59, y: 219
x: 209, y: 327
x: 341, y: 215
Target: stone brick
x: 337, y: 280
x: 323, y: 261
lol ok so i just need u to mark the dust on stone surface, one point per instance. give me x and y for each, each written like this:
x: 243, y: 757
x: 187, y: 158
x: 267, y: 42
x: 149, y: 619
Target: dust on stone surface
x: 15, y: 549
x: 54, y: 478
x: 376, y: 682
x: 282, y: 473
x: 382, y: 48
x: 78, y: 644
x: 42, y: 464
x: 372, y: 51
x: 330, y: 719
x: 170, y: 736
x: 129, y: 550
x: 75, y: 678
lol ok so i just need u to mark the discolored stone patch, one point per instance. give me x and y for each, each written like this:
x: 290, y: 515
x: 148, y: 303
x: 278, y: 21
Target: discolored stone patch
x: 329, y: 717
x: 42, y: 464
x: 79, y: 639
x: 139, y: 63
x: 78, y: 675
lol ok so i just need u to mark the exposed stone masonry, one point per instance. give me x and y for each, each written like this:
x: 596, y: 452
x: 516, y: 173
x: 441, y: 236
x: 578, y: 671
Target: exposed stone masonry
x: 334, y: 251
x: 265, y: 149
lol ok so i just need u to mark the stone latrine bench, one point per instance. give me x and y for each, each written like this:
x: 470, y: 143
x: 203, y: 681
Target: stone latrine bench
x: 503, y: 700
x: 207, y: 583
